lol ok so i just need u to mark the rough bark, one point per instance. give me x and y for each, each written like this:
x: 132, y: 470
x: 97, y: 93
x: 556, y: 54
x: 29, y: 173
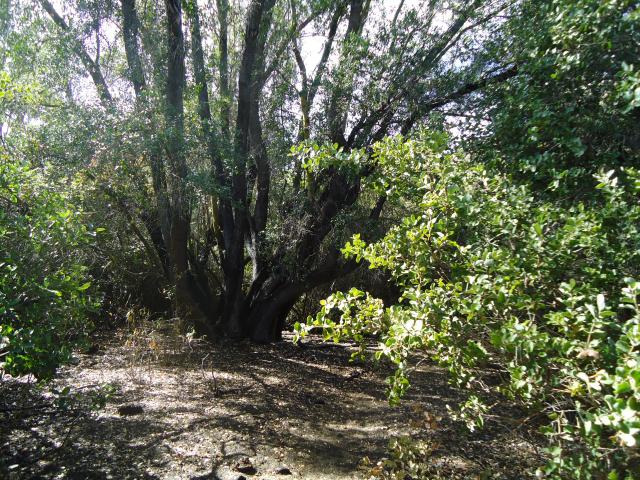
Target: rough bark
x: 309, y: 89
x: 188, y: 303
x: 341, y: 96
x: 204, y: 112
x: 130, y: 31
x: 223, y: 65
x: 234, y: 320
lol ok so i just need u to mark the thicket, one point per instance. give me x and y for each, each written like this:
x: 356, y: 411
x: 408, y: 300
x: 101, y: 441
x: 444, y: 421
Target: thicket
x: 492, y: 276
x: 44, y: 285
x: 46, y: 238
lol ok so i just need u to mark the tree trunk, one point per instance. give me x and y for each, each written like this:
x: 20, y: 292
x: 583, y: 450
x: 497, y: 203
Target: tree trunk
x: 187, y: 302
x: 223, y: 66
x: 89, y: 64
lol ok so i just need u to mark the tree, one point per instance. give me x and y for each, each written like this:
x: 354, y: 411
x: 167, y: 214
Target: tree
x: 523, y: 256
x: 243, y: 235
x: 538, y: 126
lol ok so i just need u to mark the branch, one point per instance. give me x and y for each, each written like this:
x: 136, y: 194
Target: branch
x: 458, y: 94
x: 326, y: 51
x: 482, y: 21
x: 366, y: 123
x: 341, y: 96
x: 125, y: 209
x: 92, y: 67
x: 295, y: 29
x: 301, y: 66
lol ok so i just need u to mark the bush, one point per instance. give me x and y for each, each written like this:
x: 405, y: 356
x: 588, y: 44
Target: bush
x: 493, y: 275
x: 44, y: 288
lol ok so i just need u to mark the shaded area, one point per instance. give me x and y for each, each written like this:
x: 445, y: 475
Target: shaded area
x: 205, y: 408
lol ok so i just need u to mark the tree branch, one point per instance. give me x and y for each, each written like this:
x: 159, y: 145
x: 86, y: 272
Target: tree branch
x: 426, y: 107
x: 326, y: 51
x: 92, y: 67
x: 295, y: 29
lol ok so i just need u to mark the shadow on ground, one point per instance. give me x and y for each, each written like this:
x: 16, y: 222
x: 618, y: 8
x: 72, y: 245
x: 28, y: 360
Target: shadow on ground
x: 200, y: 410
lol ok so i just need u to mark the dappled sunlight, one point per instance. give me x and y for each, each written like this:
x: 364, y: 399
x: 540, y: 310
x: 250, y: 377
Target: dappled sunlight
x: 304, y: 408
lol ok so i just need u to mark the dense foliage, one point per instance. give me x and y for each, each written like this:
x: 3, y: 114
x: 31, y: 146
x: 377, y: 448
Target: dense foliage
x: 524, y: 255
x: 573, y: 108
x: 231, y: 165
x: 44, y: 298
x: 44, y: 285
x: 181, y: 115
x: 492, y: 276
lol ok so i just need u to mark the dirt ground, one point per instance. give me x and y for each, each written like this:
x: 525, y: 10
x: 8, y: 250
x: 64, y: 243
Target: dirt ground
x: 185, y: 409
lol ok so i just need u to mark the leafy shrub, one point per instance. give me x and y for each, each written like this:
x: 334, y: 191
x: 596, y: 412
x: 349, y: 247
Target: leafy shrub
x: 570, y: 108
x: 44, y: 297
x: 493, y: 275
x: 406, y: 460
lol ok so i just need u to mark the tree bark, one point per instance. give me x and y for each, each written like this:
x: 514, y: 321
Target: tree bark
x: 186, y: 298
x: 341, y: 96
x: 131, y: 46
x: 223, y: 66
x: 234, y: 320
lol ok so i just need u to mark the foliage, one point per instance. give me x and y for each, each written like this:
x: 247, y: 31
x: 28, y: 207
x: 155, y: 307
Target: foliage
x: 44, y: 289
x: 314, y: 158
x: 492, y: 275
x: 406, y: 460
x: 571, y: 108
x: 516, y: 258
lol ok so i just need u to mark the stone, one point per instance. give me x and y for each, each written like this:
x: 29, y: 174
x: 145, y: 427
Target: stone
x: 245, y: 466
x: 130, y: 409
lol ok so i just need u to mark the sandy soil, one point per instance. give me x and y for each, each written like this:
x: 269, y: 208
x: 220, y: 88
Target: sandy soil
x: 185, y: 409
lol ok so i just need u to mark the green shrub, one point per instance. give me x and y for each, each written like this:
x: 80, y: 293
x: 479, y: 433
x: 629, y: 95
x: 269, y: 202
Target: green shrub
x: 44, y: 288
x: 492, y: 274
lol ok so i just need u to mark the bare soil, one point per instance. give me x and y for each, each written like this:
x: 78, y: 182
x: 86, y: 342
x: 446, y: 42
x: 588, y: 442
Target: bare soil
x: 186, y: 409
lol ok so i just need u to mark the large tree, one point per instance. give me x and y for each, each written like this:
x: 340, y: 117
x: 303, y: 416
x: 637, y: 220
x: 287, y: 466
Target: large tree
x: 240, y: 228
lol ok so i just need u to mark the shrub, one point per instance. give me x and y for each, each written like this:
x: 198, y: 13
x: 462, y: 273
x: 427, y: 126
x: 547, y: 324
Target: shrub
x: 492, y: 274
x: 44, y: 288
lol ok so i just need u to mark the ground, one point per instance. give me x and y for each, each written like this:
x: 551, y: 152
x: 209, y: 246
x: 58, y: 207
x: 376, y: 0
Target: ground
x: 180, y: 408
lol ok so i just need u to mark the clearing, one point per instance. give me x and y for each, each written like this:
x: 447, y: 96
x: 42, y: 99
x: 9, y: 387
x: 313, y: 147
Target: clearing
x: 186, y: 409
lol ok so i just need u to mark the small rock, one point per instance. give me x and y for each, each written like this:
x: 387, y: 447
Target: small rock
x: 245, y: 466
x: 130, y: 409
x: 231, y: 476
x: 282, y: 471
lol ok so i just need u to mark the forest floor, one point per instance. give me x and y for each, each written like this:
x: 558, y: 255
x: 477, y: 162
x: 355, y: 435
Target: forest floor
x: 186, y: 409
